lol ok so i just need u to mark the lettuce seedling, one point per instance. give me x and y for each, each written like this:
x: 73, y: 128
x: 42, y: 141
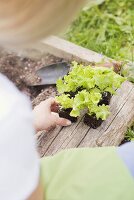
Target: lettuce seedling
x: 85, y: 87
x: 87, y: 77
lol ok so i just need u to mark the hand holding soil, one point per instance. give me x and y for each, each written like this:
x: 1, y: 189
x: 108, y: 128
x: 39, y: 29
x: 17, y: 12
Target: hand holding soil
x: 45, y: 116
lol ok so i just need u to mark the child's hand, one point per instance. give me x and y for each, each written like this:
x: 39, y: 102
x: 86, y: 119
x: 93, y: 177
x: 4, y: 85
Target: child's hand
x: 45, y: 118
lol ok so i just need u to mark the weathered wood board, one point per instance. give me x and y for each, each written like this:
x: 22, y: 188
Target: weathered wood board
x: 70, y: 51
x: 110, y: 133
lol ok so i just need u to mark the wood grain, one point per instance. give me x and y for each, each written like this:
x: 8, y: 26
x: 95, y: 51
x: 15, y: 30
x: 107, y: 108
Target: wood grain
x: 110, y: 133
x: 70, y: 51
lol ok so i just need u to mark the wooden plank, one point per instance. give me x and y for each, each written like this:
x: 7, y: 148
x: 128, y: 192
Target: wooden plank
x: 84, y: 130
x: 70, y: 51
x: 44, y: 140
x: 115, y: 133
x: 64, y: 135
x: 111, y: 132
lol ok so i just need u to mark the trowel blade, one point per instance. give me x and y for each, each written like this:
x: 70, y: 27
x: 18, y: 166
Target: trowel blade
x: 51, y: 73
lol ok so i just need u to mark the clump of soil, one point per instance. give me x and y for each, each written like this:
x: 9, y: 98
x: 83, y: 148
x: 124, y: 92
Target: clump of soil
x: 65, y: 113
x: 21, y: 71
x: 106, y: 97
x: 44, y: 94
x: 72, y: 94
x: 92, y: 121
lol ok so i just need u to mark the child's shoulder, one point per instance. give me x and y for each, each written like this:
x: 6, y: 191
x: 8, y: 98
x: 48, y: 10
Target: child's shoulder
x: 19, y: 170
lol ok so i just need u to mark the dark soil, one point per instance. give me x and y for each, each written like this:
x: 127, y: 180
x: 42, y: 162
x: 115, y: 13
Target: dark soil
x: 21, y: 71
x: 72, y: 94
x: 106, y: 97
x: 92, y: 121
x: 65, y: 113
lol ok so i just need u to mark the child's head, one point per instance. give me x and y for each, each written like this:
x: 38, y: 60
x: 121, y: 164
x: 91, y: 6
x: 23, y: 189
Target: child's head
x: 25, y: 21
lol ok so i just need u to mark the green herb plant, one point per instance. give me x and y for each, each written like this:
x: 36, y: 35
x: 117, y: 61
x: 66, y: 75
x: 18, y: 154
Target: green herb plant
x: 130, y: 134
x: 87, y: 83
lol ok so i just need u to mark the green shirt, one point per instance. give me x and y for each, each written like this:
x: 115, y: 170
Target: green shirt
x: 84, y: 174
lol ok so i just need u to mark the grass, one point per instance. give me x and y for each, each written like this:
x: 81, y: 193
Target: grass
x: 130, y: 134
x: 107, y: 28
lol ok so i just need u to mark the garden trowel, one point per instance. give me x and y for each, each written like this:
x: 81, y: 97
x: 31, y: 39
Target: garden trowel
x: 51, y: 73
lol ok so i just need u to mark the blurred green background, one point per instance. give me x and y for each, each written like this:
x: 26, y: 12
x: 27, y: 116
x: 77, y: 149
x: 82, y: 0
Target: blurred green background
x: 107, y: 27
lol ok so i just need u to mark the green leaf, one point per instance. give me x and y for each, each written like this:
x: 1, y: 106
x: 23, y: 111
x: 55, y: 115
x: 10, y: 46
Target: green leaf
x: 130, y: 134
x: 117, y: 81
x: 65, y: 101
x: 95, y: 97
x: 75, y: 113
x: 81, y: 100
x: 111, y: 90
x: 101, y: 111
x: 60, y: 86
x: 128, y: 71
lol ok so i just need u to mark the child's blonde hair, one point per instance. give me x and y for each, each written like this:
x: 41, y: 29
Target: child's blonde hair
x: 25, y: 21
